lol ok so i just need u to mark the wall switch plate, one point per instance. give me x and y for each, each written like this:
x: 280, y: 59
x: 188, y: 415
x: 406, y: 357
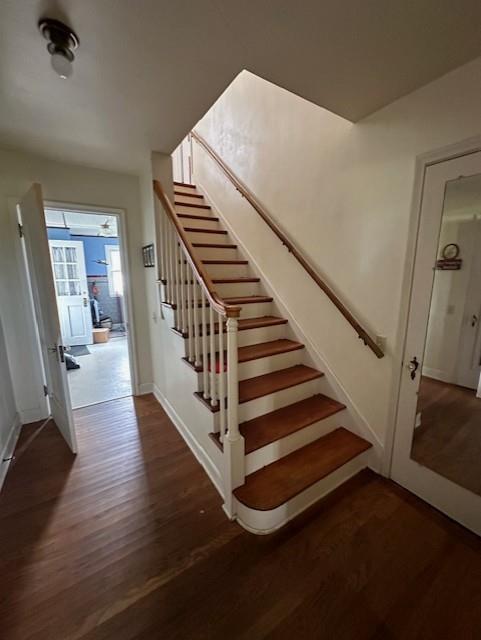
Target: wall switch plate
x: 381, y: 342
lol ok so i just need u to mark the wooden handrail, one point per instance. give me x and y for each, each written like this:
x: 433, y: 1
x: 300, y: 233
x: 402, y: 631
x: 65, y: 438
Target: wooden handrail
x: 249, y: 196
x: 228, y: 310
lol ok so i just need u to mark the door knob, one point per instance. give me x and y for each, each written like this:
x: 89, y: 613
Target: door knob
x: 474, y: 320
x: 413, y: 366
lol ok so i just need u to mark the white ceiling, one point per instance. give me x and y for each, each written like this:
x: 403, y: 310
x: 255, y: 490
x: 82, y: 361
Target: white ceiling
x: 147, y: 70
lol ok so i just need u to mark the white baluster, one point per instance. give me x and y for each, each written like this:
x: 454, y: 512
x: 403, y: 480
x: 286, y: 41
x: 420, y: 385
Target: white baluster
x: 190, y: 315
x: 221, y: 378
x: 234, y: 450
x: 178, y: 311
x: 205, y: 354
x: 213, y: 394
x: 195, y: 291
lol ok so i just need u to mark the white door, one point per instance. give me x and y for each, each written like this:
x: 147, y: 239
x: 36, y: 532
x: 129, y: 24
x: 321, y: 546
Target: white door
x: 469, y: 360
x: 43, y: 293
x: 448, y: 496
x: 68, y: 261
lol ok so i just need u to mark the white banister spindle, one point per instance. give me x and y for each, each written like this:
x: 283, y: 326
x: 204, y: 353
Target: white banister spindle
x: 162, y: 218
x: 234, y: 451
x: 182, y: 277
x: 195, y: 290
x: 173, y: 243
x: 213, y: 394
x: 190, y: 315
x: 178, y: 311
x: 221, y: 378
x: 205, y: 355
x: 170, y: 275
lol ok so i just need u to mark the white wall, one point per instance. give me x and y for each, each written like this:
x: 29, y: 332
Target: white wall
x: 8, y: 410
x: 343, y: 192
x: 71, y: 184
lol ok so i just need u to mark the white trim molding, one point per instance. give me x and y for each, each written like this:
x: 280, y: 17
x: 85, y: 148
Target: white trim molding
x: 9, y: 448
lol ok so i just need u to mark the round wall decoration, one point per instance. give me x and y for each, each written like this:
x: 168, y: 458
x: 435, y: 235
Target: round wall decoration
x: 451, y: 251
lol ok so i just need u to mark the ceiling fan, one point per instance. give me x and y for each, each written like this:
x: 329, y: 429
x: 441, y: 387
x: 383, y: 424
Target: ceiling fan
x: 106, y: 229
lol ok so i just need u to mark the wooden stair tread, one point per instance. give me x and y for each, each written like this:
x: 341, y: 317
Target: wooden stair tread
x: 213, y: 245
x: 268, y: 383
x: 194, y: 205
x: 240, y: 300
x: 282, y: 480
x: 246, y: 324
x: 192, y: 216
x: 235, y: 280
x: 257, y: 351
x: 220, y: 232
x: 184, y: 184
x: 187, y: 195
x: 280, y: 423
x: 225, y: 262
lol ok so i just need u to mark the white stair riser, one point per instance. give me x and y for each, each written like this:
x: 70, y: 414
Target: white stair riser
x: 263, y: 334
x: 247, y: 337
x: 216, y: 238
x: 257, y: 310
x: 214, y: 253
x: 200, y: 224
x: 263, y: 522
x: 227, y: 270
x: 231, y: 289
x: 182, y: 208
x: 277, y: 400
x: 269, y: 364
x: 283, y: 447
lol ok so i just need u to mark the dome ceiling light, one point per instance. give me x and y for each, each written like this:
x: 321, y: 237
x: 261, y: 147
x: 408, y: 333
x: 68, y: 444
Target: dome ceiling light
x: 62, y: 42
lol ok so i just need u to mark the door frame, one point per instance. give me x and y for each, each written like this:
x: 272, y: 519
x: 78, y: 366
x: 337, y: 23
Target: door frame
x: 422, y: 162
x: 451, y: 152
x: 120, y: 214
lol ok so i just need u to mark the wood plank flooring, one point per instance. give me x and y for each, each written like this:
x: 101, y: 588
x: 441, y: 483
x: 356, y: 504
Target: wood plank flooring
x: 449, y: 438
x: 128, y: 541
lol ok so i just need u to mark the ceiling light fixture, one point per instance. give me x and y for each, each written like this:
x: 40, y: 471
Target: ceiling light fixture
x: 62, y: 42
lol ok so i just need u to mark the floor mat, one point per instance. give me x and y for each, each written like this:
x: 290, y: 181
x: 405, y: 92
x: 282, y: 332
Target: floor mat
x: 79, y: 351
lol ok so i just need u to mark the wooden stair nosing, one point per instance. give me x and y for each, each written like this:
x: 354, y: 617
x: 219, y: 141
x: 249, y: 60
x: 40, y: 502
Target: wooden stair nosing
x: 184, y: 184
x: 284, y: 479
x: 242, y: 300
x: 277, y: 424
x: 219, y: 232
x: 234, y: 262
x: 187, y: 195
x: 193, y: 205
x: 254, y: 352
x: 244, y: 324
x: 209, y: 245
x: 235, y: 280
x: 268, y: 383
x: 192, y: 216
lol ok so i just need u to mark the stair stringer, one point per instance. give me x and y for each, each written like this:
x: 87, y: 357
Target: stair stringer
x: 353, y: 419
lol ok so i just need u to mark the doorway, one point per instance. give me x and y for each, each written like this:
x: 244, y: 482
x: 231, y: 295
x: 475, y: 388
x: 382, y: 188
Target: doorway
x: 86, y: 255
x: 437, y: 449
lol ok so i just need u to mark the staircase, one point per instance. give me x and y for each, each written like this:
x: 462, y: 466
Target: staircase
x: 283, y: 444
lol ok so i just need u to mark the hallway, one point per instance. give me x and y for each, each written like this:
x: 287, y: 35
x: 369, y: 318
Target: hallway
x: 128, y: 541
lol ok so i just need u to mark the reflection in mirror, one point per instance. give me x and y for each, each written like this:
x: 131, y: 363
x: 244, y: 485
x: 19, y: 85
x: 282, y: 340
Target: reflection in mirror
x: 447, y: 435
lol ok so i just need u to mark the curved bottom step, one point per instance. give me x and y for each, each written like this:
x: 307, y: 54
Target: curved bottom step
x: 277, y: 493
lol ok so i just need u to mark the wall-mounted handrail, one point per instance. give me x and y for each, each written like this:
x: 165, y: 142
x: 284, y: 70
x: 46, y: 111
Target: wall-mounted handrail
x: 227, y: 310
x: 249, y: 196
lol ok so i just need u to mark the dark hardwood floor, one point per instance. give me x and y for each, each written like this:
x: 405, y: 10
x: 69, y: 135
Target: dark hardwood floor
x: 128, y: 541
x: 448, y: 441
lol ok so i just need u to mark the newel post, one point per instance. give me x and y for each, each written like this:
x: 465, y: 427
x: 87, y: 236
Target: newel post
x: 234, y: 464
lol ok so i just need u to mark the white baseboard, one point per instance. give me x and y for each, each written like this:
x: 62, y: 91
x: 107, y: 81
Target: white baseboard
x: 9, y: 448
x: 146, y: 387
x: 437, y: 374
x: 32, y: 415
x: 198, y: 451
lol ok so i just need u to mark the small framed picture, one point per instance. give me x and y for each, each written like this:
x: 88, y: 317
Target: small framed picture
x: 148, y: 255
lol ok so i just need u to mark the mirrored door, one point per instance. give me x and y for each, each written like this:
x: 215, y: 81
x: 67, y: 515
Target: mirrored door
x: 437, y: 450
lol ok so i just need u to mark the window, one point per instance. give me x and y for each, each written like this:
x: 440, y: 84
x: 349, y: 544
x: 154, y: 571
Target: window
x: 114, y: 270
